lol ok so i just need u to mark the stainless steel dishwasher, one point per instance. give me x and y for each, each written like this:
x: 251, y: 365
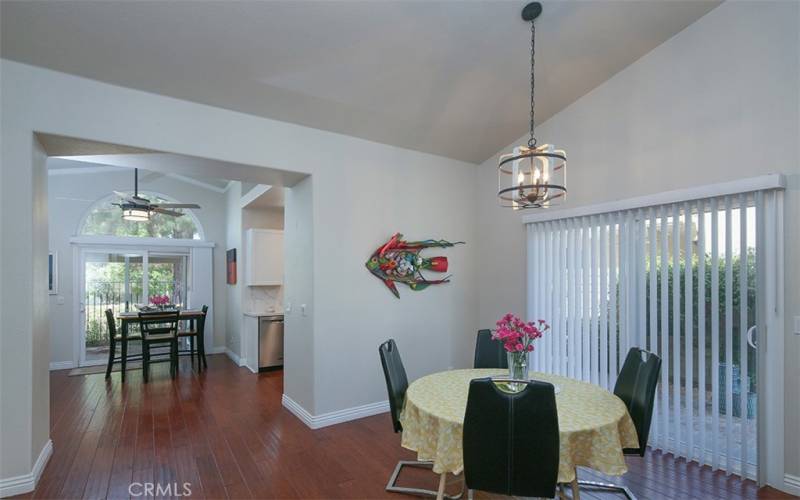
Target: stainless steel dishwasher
x: 270, y: 342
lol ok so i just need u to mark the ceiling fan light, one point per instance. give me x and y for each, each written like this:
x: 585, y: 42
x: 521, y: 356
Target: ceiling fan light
x: 136, y: 214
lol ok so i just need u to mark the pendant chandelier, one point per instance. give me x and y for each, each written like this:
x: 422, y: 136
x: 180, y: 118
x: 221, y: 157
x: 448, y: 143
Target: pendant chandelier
x: 532, y: 176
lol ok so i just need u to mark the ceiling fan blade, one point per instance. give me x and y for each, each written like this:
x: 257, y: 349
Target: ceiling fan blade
x: 165, y: 212
x: 175, y: 205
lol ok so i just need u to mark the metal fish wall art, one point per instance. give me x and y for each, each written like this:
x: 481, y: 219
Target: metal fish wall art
x: 399, y: 261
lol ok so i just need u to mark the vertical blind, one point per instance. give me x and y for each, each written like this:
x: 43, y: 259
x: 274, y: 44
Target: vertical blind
x: 679, y: 280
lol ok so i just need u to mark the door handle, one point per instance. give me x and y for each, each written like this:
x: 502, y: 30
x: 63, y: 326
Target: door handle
x: 750, y: 339
x: 82, y: 307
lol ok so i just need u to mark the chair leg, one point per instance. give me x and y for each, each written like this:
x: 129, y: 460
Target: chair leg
x: 124, y: 359
x: 618, y: 488
x: 201, y: 350
x: 392, y: 487
x: 173, y: 358
x: 146, y: 361
x: 111, y: 353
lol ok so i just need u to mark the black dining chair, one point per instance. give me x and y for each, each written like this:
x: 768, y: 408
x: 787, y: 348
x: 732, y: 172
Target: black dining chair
x: 636, y: 387
x: 159, y: 329
x: 511, y: 439
x: 396, y: 386
x: 113, y: 338
x: 489, y: 353
x: 195, y: 333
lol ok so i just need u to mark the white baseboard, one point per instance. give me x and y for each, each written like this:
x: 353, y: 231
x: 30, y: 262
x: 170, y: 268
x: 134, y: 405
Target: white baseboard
x: 791, y: 484
x: 220, y: 349
x: 334, y: 417
x: 234, y: 357
x: 61, y: 365
x: 27, y: 482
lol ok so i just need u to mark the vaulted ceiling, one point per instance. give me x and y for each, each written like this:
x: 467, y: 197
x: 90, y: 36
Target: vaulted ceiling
x: 444, y: 77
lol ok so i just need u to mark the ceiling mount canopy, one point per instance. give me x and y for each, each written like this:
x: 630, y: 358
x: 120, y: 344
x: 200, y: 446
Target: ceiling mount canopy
x: 532, y: 176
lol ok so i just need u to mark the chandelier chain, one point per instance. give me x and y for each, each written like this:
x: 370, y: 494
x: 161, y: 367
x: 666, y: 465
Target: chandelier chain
x: 532, y: 140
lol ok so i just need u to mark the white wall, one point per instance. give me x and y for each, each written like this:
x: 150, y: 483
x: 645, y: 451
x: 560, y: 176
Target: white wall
x: 362, y: 193
x: 717, y: 102
x: 24, y: 350
x: 67, y: 206
x: 298, y: 268
x: 233, y: 293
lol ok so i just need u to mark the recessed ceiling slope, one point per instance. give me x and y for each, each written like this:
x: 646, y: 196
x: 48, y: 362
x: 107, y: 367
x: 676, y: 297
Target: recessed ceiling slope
x: 449, y: 78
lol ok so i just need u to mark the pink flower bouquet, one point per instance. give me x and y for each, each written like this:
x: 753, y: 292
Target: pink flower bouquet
x: 159, y: 300
x: 517, y: 337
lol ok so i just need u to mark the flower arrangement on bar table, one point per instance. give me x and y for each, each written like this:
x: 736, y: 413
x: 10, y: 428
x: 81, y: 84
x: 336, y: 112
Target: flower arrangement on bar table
x: 517, y: 337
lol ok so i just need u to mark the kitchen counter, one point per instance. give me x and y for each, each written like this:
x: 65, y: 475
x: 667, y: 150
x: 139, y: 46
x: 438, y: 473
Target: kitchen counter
x: 263, y: 314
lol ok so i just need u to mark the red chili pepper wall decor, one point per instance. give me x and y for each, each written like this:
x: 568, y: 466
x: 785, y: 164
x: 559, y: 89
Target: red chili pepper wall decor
x: 399, y: 261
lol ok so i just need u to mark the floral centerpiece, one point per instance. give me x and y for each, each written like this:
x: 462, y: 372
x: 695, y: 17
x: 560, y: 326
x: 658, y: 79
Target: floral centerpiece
x: 160, y: 301
x: 517, y: 337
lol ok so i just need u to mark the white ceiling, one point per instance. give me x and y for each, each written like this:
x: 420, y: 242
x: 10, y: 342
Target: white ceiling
x: 445, y: 77
x: 77, y: 166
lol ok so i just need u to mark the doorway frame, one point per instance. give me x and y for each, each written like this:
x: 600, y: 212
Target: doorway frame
x: 119, y: 244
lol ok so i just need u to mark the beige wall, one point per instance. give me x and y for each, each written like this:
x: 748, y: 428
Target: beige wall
x: 717, y: 102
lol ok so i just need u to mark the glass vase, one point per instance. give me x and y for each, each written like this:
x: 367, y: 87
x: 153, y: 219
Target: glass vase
x: 518, y: 365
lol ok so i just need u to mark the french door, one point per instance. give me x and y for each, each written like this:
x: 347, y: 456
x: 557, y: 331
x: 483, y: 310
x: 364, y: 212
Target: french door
x: 698, y: 283
x: 121, y: 279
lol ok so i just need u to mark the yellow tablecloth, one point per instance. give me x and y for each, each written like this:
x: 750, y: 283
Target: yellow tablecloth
x: 594, y: 424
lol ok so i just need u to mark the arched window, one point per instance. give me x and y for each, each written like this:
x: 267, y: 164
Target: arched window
x: 105, y: 219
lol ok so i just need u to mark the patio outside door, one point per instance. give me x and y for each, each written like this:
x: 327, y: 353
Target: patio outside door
x: 120, y: 280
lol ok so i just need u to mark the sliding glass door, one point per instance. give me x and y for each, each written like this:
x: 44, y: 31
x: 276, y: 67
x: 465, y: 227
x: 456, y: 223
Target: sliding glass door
x: 680, y: 280
x: 121, y: 279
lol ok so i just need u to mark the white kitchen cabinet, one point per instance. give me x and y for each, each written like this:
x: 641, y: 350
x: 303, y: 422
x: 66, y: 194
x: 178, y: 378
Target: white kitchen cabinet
x: 264, y: 257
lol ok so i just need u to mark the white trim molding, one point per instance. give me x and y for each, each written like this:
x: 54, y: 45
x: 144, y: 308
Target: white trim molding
x: 791, y: 484
x: 334, y: 417
x: 27, y: 482
x: 61, y: 365
x: 762, y: 182
x: 234, y: 357
x: 138, y: 242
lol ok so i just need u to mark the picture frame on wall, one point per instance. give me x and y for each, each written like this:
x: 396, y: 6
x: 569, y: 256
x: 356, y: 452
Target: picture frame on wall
x: 52, y: 273
x: 230, y: 261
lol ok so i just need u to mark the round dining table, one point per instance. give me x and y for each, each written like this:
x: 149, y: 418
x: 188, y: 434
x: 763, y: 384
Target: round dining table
x: 594, y: 424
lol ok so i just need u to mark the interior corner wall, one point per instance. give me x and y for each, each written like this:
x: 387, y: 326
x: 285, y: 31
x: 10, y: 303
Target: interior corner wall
x: 233, y: 240
x: 717, y: 102
x: 298, y: 262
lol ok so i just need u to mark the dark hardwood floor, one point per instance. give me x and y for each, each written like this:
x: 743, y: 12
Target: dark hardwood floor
x: 225, y: 432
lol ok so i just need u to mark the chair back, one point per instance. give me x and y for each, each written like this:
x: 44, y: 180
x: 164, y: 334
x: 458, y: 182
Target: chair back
x: 201, y: 321
x: 489, y: 353
x: 636, y: 387
x: 159, y: 323
x: 112, y: 324
x: 511, y: 440
x: 396, y: 380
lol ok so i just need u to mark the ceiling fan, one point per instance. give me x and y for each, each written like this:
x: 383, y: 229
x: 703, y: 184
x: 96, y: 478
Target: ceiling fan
x: 138, y: 208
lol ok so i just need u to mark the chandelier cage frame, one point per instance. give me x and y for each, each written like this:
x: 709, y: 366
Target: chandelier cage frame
x: 532, y: 176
